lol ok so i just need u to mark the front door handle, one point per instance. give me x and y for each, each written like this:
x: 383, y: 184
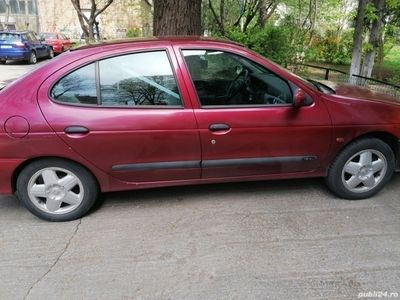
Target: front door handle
x: 76, y: 130
x: 219, y: 127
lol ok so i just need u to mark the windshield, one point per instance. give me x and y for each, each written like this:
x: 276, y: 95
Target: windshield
x: 49, y: 36
x: 9, y: 37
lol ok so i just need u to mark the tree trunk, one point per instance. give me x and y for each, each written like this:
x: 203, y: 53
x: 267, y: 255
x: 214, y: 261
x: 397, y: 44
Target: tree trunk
x: 374, y: 40
x: 357, y: 41
x: 267, y: 8
x: 87, y: 23
x: 219, y: 21
x: 177, y: 17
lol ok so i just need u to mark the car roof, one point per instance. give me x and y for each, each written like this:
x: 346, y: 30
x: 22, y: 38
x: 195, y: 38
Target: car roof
x: 92, y: 50
x: 172, y: 39
x: 15, y: 32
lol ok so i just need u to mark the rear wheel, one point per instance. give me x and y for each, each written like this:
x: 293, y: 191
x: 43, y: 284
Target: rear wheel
x: 32, y: 58
x: 361, y: 169
x: 51, y: 53
x: 56, y: 190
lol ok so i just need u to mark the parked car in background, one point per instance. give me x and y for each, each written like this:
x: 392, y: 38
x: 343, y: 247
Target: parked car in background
x: 57, y: 41
x: 163, y: 112
x: 23, y: 46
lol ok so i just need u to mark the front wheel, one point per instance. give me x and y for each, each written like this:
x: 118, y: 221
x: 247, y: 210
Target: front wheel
x: 56, y: 190
x: 361, y: 169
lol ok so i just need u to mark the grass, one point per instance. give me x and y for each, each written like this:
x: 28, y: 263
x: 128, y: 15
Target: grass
x: 392, y: 59
x: 391, y: 66
x: 389, y: 71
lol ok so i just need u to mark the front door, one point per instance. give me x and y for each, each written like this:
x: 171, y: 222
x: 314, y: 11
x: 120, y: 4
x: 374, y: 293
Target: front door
x: 248, y: 124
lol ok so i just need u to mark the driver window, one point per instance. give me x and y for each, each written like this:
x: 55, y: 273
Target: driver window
x: 222, y: 79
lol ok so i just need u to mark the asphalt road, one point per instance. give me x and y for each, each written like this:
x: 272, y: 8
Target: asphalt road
x: 13, y: 70
x: 262, y: 240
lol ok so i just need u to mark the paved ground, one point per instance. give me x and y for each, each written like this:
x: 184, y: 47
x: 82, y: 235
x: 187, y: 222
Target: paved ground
x: 13, y: 70
x: 263, y: 240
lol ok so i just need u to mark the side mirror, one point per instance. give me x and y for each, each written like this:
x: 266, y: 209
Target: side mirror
x: 300, y: 99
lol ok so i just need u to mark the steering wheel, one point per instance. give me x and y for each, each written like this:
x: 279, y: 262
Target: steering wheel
x: 278, y: 100
x: 271, y: 99
x: 237, y: 83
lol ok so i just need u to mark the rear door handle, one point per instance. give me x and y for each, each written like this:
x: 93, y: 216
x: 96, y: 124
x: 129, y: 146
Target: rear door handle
x: 219, y: 127
x: 76, y: 130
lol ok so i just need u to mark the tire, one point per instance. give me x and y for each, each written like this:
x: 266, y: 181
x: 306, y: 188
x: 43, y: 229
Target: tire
x: 3, y: 62
x: 32, y: 58
x: 51, y: 53
x: 57, y: 190
x: 361, y: 169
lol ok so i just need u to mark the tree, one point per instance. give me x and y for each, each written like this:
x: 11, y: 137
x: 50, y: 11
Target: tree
x: 89, y: 24
x: 357, y: 40
x: 374, y: 38
x: 177, y: 17
x: 235, y: 13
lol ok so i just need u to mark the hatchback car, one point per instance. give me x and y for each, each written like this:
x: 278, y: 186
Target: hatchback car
x: 23, y: 46
x: 57, y: 41
x: 163, y: 112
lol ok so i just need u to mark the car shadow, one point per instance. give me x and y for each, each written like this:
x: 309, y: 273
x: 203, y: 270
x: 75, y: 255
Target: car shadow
x: 157, y: 196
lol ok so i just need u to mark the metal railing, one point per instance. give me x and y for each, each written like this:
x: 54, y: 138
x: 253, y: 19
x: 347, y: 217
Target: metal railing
x: 340, y: 76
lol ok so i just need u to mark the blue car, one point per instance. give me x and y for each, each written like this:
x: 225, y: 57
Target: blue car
x: 23, y: 46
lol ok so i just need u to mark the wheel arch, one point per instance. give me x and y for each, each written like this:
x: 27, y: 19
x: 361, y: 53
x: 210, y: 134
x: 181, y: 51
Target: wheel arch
x: 387, y: 138
x: 18, y: 170
x: 390, y: 139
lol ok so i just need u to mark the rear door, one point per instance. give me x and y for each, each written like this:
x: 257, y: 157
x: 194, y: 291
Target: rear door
x: 125, y: 113
x: 40, y: 48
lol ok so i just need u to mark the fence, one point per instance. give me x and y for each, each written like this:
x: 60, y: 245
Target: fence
x: 335, y: 75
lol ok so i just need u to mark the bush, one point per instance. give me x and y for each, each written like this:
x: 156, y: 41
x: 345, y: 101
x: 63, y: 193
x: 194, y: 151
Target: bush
x: 286, y: 44
x: 271, y: 41
x: 133, y: 32
x: 331, y: 48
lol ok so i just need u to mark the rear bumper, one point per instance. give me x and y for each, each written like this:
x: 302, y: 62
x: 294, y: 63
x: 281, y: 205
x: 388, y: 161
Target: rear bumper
x: 14, y: 55
x: 8, y: 167
x: 57, y: 48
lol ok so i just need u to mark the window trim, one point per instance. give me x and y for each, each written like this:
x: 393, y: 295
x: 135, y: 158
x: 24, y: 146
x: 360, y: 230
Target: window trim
x: 289, y: 83
x: 98, y: 89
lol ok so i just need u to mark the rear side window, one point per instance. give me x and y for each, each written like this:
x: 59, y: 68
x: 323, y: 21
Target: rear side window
x: 140, y: 79
x: 31, y: 37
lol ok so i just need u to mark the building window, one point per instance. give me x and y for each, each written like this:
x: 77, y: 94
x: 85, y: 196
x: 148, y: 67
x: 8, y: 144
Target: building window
x: 32, y: 9
x: 3, y: 7
x: 14, y: 6
x: 22, y: 6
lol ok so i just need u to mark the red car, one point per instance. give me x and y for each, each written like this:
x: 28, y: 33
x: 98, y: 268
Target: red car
x: 57, y: 41
x: 163, y: 112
